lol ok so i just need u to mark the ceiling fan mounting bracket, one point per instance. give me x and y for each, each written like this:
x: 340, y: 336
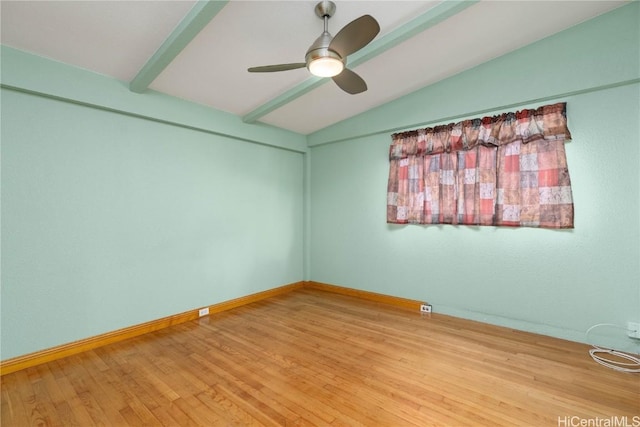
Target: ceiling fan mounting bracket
x: 325, y: 9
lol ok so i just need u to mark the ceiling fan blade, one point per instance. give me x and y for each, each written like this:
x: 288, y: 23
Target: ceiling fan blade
x: 278, y: 67
x: 355, y: 35
x: 350, y: 82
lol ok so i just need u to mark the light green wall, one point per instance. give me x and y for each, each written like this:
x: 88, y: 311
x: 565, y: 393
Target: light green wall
x: 119, y: 208
x: 114, y: 218
x: 555, y: 282
x: 31, y: 73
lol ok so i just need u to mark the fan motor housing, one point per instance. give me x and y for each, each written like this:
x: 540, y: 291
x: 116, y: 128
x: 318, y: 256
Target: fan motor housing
x: 320, y: 49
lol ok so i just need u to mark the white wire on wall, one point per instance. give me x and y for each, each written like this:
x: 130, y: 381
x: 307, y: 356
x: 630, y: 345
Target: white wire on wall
x: 599, y: 354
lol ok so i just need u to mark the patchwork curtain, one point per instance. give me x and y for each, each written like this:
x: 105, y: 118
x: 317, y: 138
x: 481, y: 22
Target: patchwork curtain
x: 506, y: 170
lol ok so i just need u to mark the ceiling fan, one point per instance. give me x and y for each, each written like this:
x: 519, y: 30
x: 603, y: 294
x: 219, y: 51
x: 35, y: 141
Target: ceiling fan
x: 327, y: 56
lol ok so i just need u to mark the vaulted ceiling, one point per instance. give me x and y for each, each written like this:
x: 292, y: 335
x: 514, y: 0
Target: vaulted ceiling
x: 200, y: 51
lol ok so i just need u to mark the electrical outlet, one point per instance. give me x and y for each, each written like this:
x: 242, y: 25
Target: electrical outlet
x: 203, y: 311
x: 425, y: 308
x: 633, y: 330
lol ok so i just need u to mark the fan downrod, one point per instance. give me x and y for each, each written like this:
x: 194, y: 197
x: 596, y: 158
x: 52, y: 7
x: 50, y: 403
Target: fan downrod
x: 325, y: 9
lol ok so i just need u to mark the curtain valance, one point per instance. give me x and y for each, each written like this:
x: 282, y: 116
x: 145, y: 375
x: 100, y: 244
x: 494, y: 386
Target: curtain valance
x: 505, y: 170
x: 548, y: 122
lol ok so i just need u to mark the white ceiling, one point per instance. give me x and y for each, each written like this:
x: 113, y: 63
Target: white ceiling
x: 117, y: 38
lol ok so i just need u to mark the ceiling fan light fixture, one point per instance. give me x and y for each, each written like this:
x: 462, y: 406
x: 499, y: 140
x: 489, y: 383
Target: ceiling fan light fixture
x: 326, y: 67
x: 327, y: 56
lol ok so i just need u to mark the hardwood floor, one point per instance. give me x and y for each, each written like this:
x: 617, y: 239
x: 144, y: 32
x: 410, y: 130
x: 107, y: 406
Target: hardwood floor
x: 317, y: 358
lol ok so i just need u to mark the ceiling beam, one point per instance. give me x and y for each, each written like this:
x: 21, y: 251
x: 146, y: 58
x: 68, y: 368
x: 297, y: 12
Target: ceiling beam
x: 282, y: 99
x: 198, y: 17
x: 431, y: 17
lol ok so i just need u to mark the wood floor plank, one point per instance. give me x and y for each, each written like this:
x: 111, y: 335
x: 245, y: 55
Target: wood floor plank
x: 14, y: 405
x: 313, y: 357
x: 270, y: 408
x: 45, y: 395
